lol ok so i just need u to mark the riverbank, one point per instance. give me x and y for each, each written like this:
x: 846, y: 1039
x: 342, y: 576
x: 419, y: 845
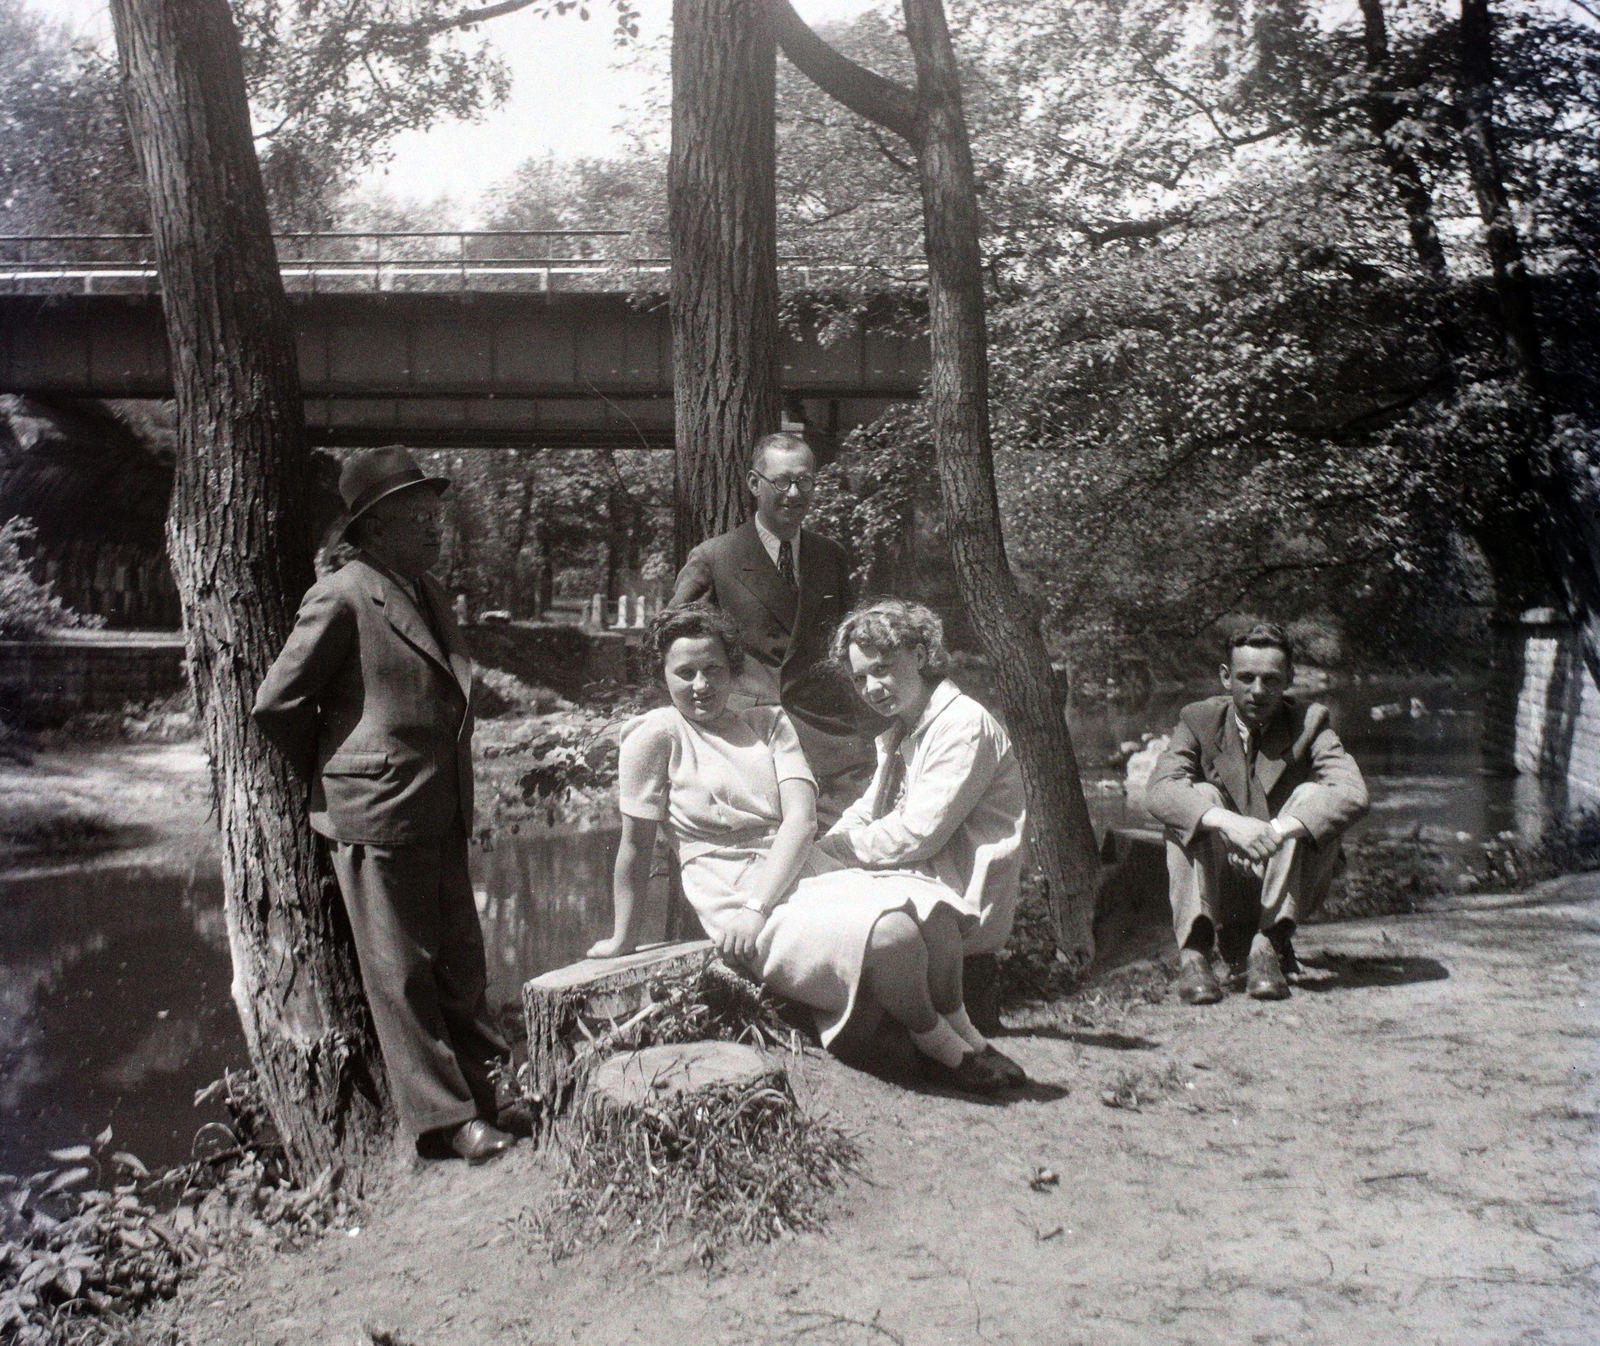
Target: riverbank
x: 1403, y: 1151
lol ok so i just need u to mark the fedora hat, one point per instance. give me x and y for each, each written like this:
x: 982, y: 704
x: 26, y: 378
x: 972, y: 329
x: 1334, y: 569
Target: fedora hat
x: 378, y: 473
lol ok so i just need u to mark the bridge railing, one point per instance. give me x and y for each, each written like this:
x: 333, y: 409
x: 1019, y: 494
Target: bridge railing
x: 390, y: 261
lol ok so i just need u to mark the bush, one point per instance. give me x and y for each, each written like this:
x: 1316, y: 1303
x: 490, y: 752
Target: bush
x: 29, y: 610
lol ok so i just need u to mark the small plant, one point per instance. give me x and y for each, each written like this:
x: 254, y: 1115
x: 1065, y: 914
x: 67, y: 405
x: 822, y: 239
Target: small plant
x: 728, y: 1162
x: 29, y: 609
x: 1386, y: 876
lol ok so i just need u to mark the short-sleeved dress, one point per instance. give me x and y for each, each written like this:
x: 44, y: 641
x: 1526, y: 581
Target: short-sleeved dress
x: 716, y: 793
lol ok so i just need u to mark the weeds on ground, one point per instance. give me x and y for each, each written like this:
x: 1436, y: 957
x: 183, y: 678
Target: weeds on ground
x: 1136, y: 1088
x: 1386, y: 876
x: 86, y: 1246
x: 53, y: 831
x: 1030, y: 967
x: 1568, y: 845
x: 724, y: 1163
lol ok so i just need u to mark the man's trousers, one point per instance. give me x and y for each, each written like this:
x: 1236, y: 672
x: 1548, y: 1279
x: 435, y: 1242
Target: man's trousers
x: 422, y: 966
x: 1205, y: 879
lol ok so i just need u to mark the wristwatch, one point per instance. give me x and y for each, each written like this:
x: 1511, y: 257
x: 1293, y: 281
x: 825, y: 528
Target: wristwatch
x: 754, y: 905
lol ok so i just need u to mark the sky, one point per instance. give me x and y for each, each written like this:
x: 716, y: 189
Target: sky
x: 570, y: 89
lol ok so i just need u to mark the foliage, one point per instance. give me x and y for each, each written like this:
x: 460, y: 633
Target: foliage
x: 1566, y: 845
x: 86, y: 1246
x: 726, y: 1162
x: 29, y: 609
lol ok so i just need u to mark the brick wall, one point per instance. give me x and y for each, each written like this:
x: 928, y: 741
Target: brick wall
x: 1543, y: 717
x: 43, y: 682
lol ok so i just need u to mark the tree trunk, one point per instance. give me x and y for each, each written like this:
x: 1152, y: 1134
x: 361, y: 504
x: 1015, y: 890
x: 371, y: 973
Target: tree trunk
x: 241, y: 553
x: 1558, y: 489
x: 1405, y: 173
x: 722, y: 218
x: 1031, y: 696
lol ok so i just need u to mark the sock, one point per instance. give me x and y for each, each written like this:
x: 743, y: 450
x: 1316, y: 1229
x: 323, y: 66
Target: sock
x: 963, y: 1025
x: 942, y: 1043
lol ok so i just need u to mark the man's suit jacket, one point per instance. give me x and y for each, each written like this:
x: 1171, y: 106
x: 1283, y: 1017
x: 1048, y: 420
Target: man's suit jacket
x: 371, y: 712
x: 733, y: 572
x: 1297, y: 747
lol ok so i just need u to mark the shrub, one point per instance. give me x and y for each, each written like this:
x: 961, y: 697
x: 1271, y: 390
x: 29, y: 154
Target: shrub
x: 29, y: 609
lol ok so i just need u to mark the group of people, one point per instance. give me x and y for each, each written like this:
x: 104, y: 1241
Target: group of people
x: 849, y: 825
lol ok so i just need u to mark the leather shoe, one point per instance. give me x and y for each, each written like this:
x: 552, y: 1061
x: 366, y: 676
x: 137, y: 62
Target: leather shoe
x: 478, y: 1142
x: 973, y: 1076
x: 1197, y: 984
x: 1264, y: 979
x: 1007, y: 1069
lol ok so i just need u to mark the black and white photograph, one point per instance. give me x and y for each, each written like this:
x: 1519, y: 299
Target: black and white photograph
x: 799, y: 672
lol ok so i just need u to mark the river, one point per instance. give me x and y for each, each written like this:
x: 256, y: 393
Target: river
x: 114, y: 980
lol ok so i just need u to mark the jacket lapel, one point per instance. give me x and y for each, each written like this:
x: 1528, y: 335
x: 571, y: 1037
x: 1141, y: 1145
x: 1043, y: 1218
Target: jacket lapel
x: 1231, y: 765
x: 400, y: 609
x: 1273, y: 754
x: 455, y: 646
x: 757, y: 573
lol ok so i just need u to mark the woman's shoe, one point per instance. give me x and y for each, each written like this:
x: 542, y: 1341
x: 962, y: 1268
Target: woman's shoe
x: 973, y: 1076
x: 1008, y: 1070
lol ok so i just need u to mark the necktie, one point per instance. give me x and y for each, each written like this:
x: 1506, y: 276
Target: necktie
x: 786, y: 563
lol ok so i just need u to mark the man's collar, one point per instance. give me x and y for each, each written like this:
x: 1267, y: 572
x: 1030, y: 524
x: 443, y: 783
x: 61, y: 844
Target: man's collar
x: 393, y: 576
x: 769, y: 539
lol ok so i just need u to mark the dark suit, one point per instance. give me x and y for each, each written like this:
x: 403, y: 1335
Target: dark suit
x: 1300, y: 770
x: 370, y: 699
x: 788, y: 633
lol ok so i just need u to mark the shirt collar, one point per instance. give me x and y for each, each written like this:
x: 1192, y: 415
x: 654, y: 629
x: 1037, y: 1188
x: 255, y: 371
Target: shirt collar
x: 770, y: 540
x: 943, y: 695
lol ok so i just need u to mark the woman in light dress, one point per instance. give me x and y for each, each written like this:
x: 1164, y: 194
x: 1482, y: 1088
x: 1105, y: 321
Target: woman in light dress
x: 738, y: 801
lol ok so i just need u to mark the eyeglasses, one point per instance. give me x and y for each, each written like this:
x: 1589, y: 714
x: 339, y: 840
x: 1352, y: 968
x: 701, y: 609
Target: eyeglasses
x: 423, y: 518
x: 783, y: 485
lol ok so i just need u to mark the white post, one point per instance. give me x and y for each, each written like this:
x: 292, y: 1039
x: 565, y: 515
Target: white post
x: 639, y: 616
x: 621, y: 623
x: 597, y: 611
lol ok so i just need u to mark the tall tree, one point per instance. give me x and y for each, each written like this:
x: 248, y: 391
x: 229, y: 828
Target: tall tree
x: 241, y: 553
x: 722, y: 221
x: 1560, y: 489
x: 932, y: 121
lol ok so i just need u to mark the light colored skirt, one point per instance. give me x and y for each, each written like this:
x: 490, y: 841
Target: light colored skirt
x: 813, y: 947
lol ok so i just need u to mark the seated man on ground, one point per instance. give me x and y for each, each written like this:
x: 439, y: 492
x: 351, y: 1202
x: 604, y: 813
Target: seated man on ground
x: 737, y: 798
x: 1255, y: 790
x: 946, y: 799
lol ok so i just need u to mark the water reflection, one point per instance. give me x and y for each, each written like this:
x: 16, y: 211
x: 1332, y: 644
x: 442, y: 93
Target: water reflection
x: 114, y: 1008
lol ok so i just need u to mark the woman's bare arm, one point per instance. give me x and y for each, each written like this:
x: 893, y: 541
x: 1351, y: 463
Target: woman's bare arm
x: 777, y: 872
x: 630, y: 882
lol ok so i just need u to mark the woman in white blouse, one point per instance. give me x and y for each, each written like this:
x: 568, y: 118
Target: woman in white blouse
x: 947, y: 798
x: 738, y: 801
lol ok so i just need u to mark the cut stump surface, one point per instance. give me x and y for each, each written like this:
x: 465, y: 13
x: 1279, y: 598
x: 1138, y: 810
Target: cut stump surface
x: 657, y: 1075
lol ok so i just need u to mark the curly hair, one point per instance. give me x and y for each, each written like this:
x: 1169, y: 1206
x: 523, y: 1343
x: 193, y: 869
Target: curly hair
x: 696, y: 621
x: 887, y: 624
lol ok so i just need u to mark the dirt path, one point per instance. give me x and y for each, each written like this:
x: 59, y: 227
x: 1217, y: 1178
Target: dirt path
x: 1404, y: 1155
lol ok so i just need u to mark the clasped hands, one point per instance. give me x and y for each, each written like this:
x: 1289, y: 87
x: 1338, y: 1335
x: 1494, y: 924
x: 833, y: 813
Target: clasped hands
x: 1250, y: 837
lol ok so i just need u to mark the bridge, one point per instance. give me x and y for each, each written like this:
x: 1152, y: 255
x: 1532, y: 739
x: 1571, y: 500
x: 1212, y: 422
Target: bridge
x: 529, y: 338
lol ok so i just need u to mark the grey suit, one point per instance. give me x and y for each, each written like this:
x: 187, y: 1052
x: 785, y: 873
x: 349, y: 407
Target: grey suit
x: 1300, y: 770
x: 370, y: 699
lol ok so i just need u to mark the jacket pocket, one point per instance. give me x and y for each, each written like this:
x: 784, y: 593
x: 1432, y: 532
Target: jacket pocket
x: 356, y: 764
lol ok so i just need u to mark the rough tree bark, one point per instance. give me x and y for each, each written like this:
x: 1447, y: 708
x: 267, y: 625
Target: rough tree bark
x: 722, y: 219
x: 1568, y: 532
x: 241, y: 553
x: 932, y: 120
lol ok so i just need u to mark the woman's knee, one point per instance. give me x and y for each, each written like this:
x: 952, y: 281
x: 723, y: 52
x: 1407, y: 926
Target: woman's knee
x: 894, y: 933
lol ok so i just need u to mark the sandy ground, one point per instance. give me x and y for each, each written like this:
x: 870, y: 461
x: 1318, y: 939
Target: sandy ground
x: 1404, y: 1154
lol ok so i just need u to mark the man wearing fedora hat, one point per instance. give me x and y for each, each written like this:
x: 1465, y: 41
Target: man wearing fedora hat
x: 370, y: 699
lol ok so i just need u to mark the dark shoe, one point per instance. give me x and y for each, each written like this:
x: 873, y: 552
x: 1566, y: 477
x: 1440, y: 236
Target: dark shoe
x: 973, y: 1076
x: 1283, y: 942
x: 1197, y: 984
x: 478, y: 1142
x: 1264, y: 979
x: 1007, y: 1069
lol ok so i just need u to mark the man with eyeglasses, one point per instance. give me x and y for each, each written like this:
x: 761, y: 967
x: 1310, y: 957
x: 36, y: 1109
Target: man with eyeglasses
x: 788, y: 588
x: 370, y: 702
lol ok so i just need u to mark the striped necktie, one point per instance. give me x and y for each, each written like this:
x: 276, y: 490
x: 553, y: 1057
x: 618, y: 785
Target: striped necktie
x: 786, y: 564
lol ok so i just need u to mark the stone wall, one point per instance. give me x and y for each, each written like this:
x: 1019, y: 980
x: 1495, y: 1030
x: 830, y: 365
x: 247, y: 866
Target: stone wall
x: 1543, y: 716
x: 43, y: 682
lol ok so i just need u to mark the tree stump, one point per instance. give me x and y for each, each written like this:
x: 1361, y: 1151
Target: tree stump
x: 586, y: 999
x: 657, y: 1075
